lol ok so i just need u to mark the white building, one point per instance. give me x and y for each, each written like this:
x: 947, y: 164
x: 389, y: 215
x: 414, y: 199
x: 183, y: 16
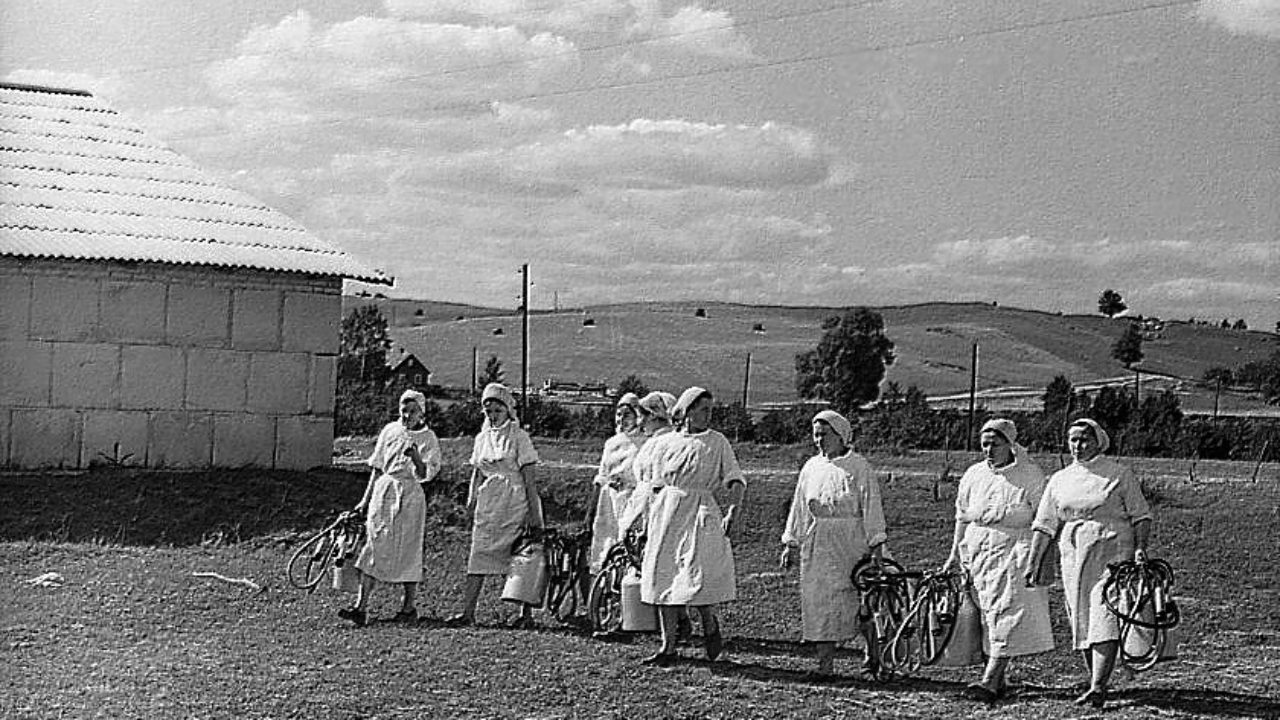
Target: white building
x: 150, y: 315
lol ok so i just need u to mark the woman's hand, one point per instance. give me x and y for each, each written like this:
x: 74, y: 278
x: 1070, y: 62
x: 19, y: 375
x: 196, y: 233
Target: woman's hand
x: 787, y: 558
x: 726, y: 523
x: 361, y: 508
x: 953, y: 562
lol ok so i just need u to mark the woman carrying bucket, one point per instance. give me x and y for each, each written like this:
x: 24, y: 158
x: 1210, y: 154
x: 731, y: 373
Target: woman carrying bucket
x: 1096, y: 508
x: 502, y: 500
x: 615, y: 479
x: 995, y: 504
x: 836, y: 519
x: 406, y: 454
x: 687, y: 557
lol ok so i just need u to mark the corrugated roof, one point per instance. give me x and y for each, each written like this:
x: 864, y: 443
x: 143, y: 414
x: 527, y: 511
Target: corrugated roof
x: 79, y: 181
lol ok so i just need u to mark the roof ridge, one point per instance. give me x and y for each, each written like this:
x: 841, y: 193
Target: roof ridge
x: 7, y: 85
x: 149, y: 196
x: 67, y: 153
x: 42, y: 206
x: 171, y: 238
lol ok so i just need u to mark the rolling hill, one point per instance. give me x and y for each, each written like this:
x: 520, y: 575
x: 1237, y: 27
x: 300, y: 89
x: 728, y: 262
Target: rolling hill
x: 667, y: 346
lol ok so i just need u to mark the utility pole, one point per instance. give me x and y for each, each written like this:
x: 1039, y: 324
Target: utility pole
x: 746, y: 382
x: 973, y: 397
x: 1217, y: 394
x: 475, y: 367
x: 524, y: 343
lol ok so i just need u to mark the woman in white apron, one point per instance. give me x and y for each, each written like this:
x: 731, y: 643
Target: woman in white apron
x: 615, y: 479
x: 502, y: 500
x: 1096, y: 509
x: 687, y: 557
x: 836, y: 520
x: 406, y: 455
x: 995, y: 504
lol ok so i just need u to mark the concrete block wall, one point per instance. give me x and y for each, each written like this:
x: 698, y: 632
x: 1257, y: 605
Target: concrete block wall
x: 165, y: 366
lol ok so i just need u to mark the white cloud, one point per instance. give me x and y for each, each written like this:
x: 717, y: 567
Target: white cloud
x: 386, y: 66
x: 1243, y: 17
x: 568, y: 15
x: 702, y: 32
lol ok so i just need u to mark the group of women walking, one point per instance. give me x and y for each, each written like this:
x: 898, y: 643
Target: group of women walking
x: 659, y: 473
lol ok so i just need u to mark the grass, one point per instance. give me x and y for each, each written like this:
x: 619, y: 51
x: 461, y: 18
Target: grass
x: 131, y: 633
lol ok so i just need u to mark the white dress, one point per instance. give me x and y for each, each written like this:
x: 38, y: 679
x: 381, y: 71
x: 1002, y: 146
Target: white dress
x: 646, y: 466
x: 1094, y: 506
x: 836, y: 518
x: 615, y: 466
x: 999, y: 504
x: 687, y: 558
x: 498, y: 453
x: 397, y: 506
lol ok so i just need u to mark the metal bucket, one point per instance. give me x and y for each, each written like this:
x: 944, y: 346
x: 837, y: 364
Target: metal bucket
x: 636, y: 615
x: 967, y: 643
x: 346, y: 577
x: 527, y: 576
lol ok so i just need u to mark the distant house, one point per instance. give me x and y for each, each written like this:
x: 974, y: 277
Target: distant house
x: 409, y: 370
x: 151, y: 315
x: 553, y: 387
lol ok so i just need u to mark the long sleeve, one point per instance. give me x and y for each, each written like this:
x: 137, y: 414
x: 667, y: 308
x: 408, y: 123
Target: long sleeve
x: 432, y: 456
x: 1048, y: 520
x: 798, y: 518
x: 873, y: 510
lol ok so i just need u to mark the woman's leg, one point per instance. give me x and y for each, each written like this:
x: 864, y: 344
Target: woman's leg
x: 365, y: 590
x: 410, y: 597
x: 826, y: 652
x: 471, y: 596
x: 1101, y: 661
x: 712, y: 642
x: 667, y: 615
x: 993, y: 675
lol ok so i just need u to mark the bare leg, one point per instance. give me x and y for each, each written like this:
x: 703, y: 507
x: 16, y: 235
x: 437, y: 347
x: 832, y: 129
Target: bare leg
x: 712, y: 641
x: 993, y: 676
x: 410, y: 597
x: 826, y: 657
x: 1101, y: 662
x: 471, y: 596
x: 871, y: 661
x: 667, y: 618
x: 366, y: 589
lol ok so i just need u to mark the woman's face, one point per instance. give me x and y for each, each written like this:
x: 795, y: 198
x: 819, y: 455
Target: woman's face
x: 996, y: 449
x: 827, y: 440
x: 495, y: 411
x: 411, y: 414
x: 1082, y: 442
x: 698, y: 417
x: 625, y: 418
x: 648, y: 421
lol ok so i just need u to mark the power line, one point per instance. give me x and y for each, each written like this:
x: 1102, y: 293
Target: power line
x: 781, y: 62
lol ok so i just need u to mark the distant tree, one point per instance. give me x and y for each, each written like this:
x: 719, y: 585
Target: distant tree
x: 1057, y: 395
x: 1240, y: 325
x: 1225, y: 324
x: 492, y: 372
x: 1128, y: 349
x: 1112, y: 408
x: 892, y: 393
x: 1157, y: 426
x: 1278, y: 327
x: 849, y: 362
x: 363, y: 345
x: 632, y: 384
x: 1110, y: 303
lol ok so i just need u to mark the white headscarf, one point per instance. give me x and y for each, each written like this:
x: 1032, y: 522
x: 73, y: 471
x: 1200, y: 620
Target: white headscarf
x: 499, y: 392
x: 687, y: 398
x: 415, y: 396
x: 1007, y: 430
x: 1104, y: 440
x: 655, y: 404
x: 837, y: 423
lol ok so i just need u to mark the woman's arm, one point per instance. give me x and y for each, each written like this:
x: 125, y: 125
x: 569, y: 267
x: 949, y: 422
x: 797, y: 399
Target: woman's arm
x: 1039, y: 544
x: 531, y: 495
x: 737, y: 491
x: 472, y: 487
x: 1141, y: 538
x: 953, y: 560
x: 368, y: 492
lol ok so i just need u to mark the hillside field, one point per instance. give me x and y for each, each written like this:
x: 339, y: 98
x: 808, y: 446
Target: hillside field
x: 668, y: 347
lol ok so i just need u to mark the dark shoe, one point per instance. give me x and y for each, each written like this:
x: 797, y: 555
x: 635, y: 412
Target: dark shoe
x: 406, y: 616
x: 870, y: 669
x: 522, y: 622
x: 712, y: 643
x: 355, y: 615
x: 1093, y: 698
x: 460, y: 620
x: 660, y: 659
x: 819, y: 677
x: 981, y: 693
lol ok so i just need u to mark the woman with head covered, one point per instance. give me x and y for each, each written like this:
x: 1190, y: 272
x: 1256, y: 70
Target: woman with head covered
x: 1096, y: 509
x: 655, y: 421
x: 995, y: 504
x: 687, y: 557
x: 615, y: 479
x: 502, y: 500
x: 836, y: 519
x: 406, y: 454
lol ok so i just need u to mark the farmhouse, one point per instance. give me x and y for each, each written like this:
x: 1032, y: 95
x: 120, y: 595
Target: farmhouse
x: 408, y: 370
x: 150, y: 315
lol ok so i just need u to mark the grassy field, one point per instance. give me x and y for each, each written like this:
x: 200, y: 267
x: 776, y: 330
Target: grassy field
x: 1024, y: 348
x: 130, y: 633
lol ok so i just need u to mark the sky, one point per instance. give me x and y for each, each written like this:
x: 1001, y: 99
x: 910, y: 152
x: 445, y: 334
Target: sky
x: 814, y: 152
